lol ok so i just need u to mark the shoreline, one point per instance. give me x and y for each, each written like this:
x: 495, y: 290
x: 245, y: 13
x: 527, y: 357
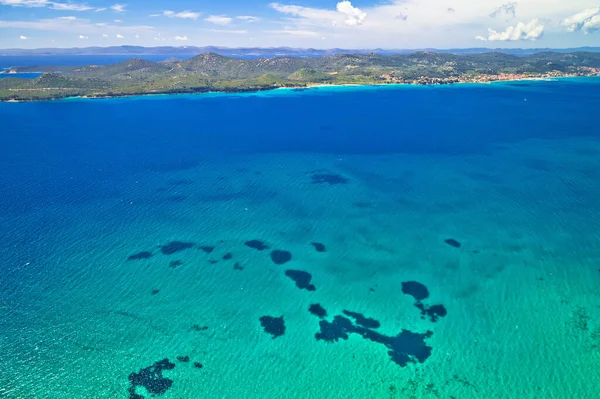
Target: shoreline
x: 305, y: 87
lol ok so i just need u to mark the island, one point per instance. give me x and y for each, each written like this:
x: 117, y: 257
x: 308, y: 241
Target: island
x: 210, y: 72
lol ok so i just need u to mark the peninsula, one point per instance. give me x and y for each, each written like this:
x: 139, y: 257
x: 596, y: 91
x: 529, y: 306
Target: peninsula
x: 210, y: 72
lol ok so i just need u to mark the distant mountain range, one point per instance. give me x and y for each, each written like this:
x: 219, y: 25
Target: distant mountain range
x: 261, y: 52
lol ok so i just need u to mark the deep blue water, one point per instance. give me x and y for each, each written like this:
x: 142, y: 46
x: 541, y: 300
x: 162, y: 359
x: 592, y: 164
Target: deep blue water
x: 32, y: 75
x: 68, y: 142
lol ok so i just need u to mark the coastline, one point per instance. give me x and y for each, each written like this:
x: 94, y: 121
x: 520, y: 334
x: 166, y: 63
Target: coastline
x: 302, y: 87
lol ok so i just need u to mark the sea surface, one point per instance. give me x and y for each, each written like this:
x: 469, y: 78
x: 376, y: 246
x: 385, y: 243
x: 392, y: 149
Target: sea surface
x: 7, y: 61
x: 27, y: 75
x: 353, y: 242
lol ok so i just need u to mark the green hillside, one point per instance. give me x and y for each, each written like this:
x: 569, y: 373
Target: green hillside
x: 212, y: 72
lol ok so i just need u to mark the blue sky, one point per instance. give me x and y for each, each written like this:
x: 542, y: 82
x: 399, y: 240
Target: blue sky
x: 301, y: 23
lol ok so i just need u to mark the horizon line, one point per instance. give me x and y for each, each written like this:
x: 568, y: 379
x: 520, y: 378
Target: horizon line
x: 300, y: 48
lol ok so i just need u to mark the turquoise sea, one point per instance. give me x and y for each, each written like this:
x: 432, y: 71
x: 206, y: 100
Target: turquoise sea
x: 354, y: 242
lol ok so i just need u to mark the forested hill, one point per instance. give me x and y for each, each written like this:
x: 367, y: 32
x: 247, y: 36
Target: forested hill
x: 213, y: 72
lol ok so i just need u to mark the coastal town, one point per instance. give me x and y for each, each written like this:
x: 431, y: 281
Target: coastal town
x: 489, y: 78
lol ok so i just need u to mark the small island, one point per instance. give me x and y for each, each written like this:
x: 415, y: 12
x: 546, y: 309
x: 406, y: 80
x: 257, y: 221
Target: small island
x: 210, y: 72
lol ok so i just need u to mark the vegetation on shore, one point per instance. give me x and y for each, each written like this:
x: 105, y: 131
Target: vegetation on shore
x: 212, y: 72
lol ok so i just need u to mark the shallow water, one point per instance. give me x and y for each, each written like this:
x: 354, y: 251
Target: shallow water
x: 489, y: 201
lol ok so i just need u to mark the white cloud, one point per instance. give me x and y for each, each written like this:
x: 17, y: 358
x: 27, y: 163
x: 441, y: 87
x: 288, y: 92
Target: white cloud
x: 346, y: 23
x: 74, y: 25
x: 119, y: 36
x: 530, y: 31
x: 230, y: 31
x: 46, y: 3
x: 415, y: 23
x: 187, y: 14
x: 104, y: 35
x: 118, y: 7
x: 307, y: 15
x: 248, y: 18
x: 24, y: 3
x: 587, y: 20
x: 101, y: 9
x: 294, y: 32
x: 593, y: 25
x: 354, y: 16
x: 218, y: 20
x: 83, y: 37
x: 181, y: 38
x: 344, y: 14
x: 70, y: 7
x: 117, y: 21
x: 402, y: 16
x: 508, y: 8
x: 23, y: 37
